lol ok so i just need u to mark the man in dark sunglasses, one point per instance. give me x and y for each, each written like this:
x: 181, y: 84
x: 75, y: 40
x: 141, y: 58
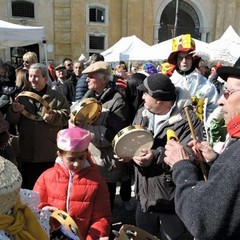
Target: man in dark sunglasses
x: 68, y: 63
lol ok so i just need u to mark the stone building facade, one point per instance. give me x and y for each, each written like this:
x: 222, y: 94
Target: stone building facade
x: 73, y: 27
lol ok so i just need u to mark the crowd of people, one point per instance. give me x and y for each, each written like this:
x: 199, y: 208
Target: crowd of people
x: 186, y: 184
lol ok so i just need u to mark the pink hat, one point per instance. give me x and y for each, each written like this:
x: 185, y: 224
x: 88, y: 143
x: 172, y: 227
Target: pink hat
x: 73, y: 139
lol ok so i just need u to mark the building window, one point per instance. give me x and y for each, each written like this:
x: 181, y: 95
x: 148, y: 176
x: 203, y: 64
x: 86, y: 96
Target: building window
x: 97, y: 14
x: 22, y: 9
x: 96, y: 42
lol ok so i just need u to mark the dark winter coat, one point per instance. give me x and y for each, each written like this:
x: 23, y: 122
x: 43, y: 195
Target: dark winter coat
x: 37, y: 139
x: 210, y: 210
x: 115, y: 115
x: 81, y: 87
x: 154, y: 186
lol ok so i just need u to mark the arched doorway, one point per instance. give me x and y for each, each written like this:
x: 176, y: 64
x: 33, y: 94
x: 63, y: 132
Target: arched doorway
x: 188, y: 21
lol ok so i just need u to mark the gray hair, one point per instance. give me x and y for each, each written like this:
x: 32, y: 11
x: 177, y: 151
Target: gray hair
x: 108, y: 76
x: 42, y: 67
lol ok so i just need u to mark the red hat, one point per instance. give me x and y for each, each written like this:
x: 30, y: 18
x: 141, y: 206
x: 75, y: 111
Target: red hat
x: 73, y: 139
x: 182, y: 44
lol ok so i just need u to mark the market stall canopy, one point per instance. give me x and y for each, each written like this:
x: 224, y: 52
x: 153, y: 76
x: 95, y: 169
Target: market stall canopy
x: 129, y: 49
x: 226, y: 49
x: 164, y: 49
x: 14, y: 35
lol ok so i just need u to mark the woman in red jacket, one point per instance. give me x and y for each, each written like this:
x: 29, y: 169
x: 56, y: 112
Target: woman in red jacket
x: 75, y: 186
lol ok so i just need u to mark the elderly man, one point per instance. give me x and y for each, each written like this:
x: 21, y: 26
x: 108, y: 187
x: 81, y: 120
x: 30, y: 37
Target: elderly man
x: 37, y: 135
x: 115, y: 115
x: 163, y: 109
x: 187, y: 76
x: 211, y: 209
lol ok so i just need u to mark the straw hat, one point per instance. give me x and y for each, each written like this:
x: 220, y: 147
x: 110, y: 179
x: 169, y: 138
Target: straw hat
x: 10, y: 184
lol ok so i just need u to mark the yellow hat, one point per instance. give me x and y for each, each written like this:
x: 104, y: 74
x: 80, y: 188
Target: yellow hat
x: 167, y: 68
x: 184, y: 43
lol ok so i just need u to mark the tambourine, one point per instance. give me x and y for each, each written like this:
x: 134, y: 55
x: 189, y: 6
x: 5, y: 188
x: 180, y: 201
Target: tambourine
x: 130, y: 140
x: 35, y: 96
x: 65, y: 226
x: 128, y: 232
x: 86, y: 111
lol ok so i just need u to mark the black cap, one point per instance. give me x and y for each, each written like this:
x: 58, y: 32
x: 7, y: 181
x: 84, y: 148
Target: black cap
x: 159, y: 86
x: 225, y: 72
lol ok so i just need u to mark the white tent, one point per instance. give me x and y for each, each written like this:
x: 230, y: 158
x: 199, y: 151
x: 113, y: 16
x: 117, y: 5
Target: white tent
x: 226, y: 49
x: 128, y: 49
x: 164, y: 49
x: 14, y: 35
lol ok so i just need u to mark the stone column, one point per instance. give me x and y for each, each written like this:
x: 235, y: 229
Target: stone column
x: 204, y: 36
x: 156, y: 29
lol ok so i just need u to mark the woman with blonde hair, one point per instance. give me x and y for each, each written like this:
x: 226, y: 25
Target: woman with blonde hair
x: 28, y: 59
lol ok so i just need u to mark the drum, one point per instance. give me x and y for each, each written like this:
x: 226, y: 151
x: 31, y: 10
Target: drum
x: 130, y: 140
x: 128, y: 232
x: 86, y: 111
x: 29, y: 105
x: 62, y: 225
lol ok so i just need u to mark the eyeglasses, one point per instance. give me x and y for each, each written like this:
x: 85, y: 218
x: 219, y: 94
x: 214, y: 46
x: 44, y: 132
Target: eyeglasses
x: 227, y: 92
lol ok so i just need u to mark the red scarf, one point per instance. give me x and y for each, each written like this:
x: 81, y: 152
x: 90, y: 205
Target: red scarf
x: 233, y: 127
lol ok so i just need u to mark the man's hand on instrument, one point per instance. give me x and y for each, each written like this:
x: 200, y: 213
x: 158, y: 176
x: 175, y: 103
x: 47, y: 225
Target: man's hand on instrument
x: 125, y: 160
x: 202, y: 151
x: 48, y: 117
x: 17, y: 107
x: 145, y: 159
x: 175, y: 152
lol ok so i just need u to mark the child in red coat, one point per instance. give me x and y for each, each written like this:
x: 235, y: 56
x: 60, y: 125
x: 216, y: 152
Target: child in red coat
x: 75, y: 186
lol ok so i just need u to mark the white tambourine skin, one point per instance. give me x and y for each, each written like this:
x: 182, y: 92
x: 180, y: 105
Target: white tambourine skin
x: 129, y: 141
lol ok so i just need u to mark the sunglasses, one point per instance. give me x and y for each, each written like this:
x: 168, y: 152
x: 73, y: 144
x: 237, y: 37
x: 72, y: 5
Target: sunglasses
x: 227, y: 92
x: 26, y: 62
